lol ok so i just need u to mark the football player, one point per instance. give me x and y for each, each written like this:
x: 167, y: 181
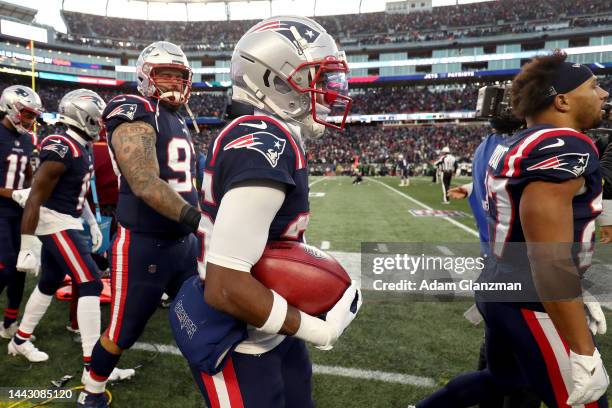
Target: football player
x: 154, y: 249
x: 543, y: 186
x: 244, y: 343
x: 20, y: 106
x: 52, y: 212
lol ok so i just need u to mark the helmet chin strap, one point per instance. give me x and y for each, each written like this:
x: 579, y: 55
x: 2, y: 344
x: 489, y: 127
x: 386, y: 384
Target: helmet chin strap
x: 69, y: 121
x: 308, y: 127
x: 18, y: 127
x: 178, y: 96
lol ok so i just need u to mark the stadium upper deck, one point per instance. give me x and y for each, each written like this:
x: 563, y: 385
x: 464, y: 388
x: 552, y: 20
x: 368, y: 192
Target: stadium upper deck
x: 441, y: 23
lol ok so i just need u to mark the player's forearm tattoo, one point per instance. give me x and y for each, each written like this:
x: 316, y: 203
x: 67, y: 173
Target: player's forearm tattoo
x: 134, y: 147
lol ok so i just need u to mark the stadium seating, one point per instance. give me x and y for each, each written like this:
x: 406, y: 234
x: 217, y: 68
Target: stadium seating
x: 448, y: 22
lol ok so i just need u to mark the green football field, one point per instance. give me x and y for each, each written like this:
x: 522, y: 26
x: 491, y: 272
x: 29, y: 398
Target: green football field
x: 396, y: 352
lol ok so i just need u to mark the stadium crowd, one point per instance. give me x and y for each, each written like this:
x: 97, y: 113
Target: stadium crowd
x: 415, y: 99
x: 201, y: 103
x: 441, y: 23
x: 370, y: 143
x: 380, y: 146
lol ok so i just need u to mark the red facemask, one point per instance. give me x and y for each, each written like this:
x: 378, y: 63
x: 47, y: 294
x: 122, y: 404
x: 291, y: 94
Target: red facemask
x: 330, y: 82
x: 185, y: 84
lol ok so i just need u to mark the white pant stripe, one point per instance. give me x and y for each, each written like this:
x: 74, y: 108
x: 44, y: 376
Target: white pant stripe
x: 71, y: 257
x: 117, y: 282
x: 222, y: 394
x: 556, y: 344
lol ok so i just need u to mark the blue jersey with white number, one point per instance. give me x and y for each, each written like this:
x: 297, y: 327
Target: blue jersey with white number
x: 175, y: 155
x: 15, y: 152
x: 478, y: 198
x: 539, y: 153
x: 258, y: 147
x: 68, y: 196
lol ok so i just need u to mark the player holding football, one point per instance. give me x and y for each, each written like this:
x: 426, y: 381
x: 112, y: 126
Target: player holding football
x: 20, y: 106
x: 154, y: 250
x: 244, y: 343
x: 544, y: 190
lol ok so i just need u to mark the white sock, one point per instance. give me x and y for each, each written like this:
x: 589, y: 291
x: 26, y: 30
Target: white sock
x: 88, y: 316
x: 35, y: 309
x: 92, y: 386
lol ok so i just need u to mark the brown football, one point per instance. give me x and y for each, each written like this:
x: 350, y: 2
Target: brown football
x: 310, y: 279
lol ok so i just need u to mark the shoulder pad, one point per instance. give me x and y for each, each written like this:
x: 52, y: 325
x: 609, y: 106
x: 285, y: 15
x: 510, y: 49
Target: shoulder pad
x: 60, y: 145
x: 261, y: 133
x: 127, y: 107
x: 564, y: 151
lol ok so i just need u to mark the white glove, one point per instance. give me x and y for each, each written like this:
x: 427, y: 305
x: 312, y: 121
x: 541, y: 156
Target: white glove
x: 203, y: 233
x: 589, y: 378
x: 28, y: 259
x: 595, y: 316
x: 340, y: 316
x: 96, y: 237
x: 21, y: 196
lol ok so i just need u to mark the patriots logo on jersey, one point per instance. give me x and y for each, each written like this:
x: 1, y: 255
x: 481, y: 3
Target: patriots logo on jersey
x: 58, y: 148
x: 265, y: 143
x: 574, y: 163
x: 127, y: 110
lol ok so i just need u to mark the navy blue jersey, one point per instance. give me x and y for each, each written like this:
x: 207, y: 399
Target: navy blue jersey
x: 175, y: 155
x: 252, y: 147
x: 259, y: 148
x: 68, y: 196
x: 15, y: 152
x: 540, y: 153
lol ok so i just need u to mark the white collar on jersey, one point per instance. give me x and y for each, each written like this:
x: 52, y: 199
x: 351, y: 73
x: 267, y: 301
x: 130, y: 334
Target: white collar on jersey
x: 77, y: 137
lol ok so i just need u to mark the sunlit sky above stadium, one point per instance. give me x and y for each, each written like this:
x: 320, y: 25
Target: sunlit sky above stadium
x: 49, y: 10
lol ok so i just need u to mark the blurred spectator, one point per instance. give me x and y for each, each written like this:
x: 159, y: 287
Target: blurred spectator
x: 415, y: 99
x: 441, y: 23
x: 376, y: 147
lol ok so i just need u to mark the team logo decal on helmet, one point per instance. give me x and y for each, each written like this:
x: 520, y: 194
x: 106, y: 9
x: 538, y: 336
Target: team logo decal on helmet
x: 291, y: 67
x: 22, y: 106
x: 82, y: 109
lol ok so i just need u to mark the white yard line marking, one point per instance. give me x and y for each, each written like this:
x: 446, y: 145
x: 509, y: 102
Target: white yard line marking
x: 445, y: 250
x: 325, y: 245
x: 317, y: 181
x: 319, y: 369
x: 374, y: 375
x: 425, y: 206
x: 382, y: 248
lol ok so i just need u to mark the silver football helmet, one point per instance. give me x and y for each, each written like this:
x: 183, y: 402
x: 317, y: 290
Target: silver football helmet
x: 22, y: 106
x: 82, y: 109
x: 163, y: 54
x: 290, y: 66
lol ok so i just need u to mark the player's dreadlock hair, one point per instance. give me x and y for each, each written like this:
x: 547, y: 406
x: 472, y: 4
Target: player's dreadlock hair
x: 530, y: 88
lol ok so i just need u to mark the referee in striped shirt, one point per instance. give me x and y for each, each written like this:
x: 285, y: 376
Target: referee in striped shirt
x: 448, y: 165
